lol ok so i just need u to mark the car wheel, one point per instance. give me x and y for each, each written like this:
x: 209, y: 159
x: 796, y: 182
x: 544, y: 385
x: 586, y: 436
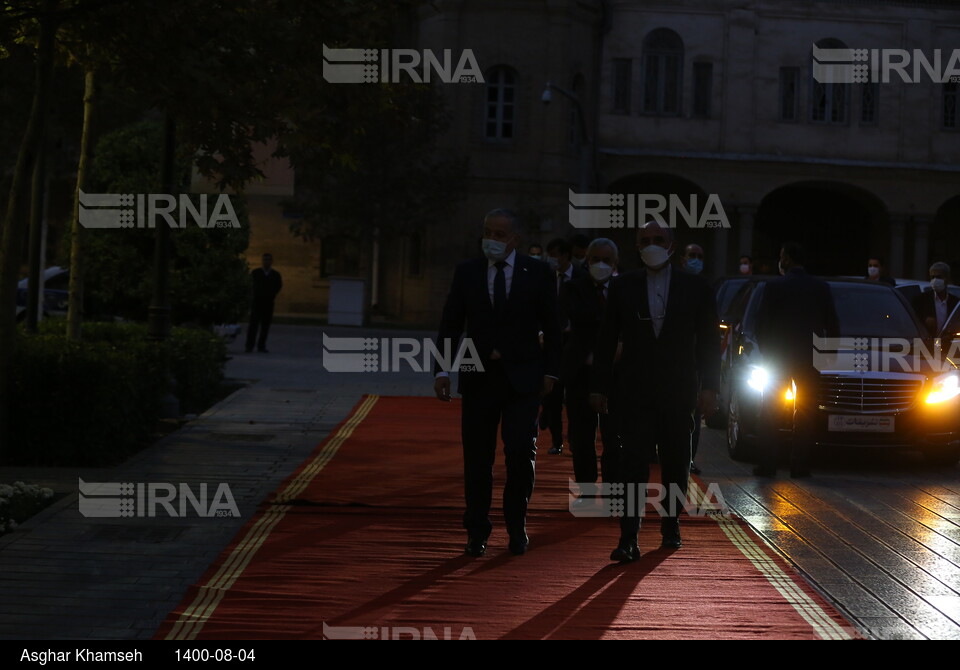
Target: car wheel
x: 739, y: 445
x: 943, y: 456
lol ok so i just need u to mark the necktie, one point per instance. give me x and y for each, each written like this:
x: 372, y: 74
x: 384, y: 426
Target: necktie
x: 600, y: 297
x: 561, y: 278
x: 499, y: 288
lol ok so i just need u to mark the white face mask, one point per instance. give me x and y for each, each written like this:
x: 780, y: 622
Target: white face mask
x: 744, y: 269
x: 601, y: 272
x: 553, y: 263
x: 873, y: 271
x: 938, y: 284
x: 494, y: 250
x: 654, y: 256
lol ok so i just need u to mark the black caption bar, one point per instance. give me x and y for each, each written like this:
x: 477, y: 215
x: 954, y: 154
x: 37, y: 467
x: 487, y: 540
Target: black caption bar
x: 240, y: 653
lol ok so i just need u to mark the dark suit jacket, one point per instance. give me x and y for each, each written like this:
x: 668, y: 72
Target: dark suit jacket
x: 668, y: 370
x: 531, y: 307
x: 580, y: 309
x: 923, y: 305
x: 792, y: 309
x: 265, y: 286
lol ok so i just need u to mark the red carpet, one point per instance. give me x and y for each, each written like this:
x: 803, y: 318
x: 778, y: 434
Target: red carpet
x: 364, y: 541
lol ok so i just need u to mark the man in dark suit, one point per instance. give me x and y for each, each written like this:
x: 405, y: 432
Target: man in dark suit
x: 792, y: 309
x: 582, y: 303
x: 876, y: 271
x: 266, y: 285
x: 502, y: 302
x: 669, y: 366
x: 933, y: 307
x: 559, y: 257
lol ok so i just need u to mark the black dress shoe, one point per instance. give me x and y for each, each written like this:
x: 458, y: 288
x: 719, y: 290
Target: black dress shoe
x: 763, y: 471
x: 671, y: 541
x: 800, y: 473
x: 694, y: 470
x: 670, y: 533
x: 555, y: 450
x: 518, y: 545
x: 263, y: 350
x: 626, y: 552
x: 475, y: 547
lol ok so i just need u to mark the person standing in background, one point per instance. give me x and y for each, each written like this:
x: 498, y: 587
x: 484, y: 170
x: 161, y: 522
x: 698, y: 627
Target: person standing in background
x: 266, y: 285
x: 579, y: 244
x: 560, y: 259
x: 875, y: 272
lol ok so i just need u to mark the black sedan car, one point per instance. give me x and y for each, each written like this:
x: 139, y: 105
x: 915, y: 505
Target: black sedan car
x: 883, y: 382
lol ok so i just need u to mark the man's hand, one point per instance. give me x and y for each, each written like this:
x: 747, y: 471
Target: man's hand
x: 707, y: 403
x: 441, y: 386
x: 598, y: 403
x: 547, y: 386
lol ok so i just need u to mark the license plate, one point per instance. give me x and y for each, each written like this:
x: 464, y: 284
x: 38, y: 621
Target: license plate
x: 848, y: 423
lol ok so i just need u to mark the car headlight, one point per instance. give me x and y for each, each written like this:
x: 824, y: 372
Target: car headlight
x: 945, y: 387
x: 759, y: 378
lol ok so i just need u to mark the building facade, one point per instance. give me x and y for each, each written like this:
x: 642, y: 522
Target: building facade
x: 690, y: 99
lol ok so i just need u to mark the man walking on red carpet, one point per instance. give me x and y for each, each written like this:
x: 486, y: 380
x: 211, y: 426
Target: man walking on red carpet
x: 502, y: 302
x: 669, y: 367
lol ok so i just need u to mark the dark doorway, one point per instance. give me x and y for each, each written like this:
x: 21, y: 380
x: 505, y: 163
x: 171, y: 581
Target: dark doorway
x: 840, y: 227
x: 664, y: 185
x: 945, y: 238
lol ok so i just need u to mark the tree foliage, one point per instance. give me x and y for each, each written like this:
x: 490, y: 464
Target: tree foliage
x: 209, y: 281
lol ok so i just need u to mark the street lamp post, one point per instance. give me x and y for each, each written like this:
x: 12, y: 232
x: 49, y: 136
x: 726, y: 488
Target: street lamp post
x: 586, y: 148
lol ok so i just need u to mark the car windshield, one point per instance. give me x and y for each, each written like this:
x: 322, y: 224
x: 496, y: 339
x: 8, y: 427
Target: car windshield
x: 873, y: 311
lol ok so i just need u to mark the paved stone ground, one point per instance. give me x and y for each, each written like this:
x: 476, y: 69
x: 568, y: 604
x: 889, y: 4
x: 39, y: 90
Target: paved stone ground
x: 65, y: 576
x: 878, y: 534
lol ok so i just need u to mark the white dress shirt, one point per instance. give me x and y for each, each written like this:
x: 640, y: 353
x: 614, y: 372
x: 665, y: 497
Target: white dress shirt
x: 658, y: 293
x: 941, y: 307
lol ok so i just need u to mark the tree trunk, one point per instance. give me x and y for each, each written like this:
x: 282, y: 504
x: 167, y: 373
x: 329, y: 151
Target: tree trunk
x: 75, y: 308
x: 35, y: 258
x: 158, y: 321
x: 13, y: 224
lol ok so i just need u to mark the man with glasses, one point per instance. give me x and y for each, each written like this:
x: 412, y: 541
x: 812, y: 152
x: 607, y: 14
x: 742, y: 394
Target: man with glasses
x: 669, y: 367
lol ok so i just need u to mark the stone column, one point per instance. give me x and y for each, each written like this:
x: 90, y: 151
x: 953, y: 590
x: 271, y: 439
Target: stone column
x: 896, y: 262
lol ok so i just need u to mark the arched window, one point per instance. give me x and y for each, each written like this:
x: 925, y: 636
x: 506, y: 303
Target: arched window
x: 499, y: 114
x: 829, y: 101
x: 662, y: 72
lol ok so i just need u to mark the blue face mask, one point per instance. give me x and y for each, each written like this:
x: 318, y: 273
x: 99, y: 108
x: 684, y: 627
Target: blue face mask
x: 494, y: 250
x: 694, y: 266
x: 535, y: 257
